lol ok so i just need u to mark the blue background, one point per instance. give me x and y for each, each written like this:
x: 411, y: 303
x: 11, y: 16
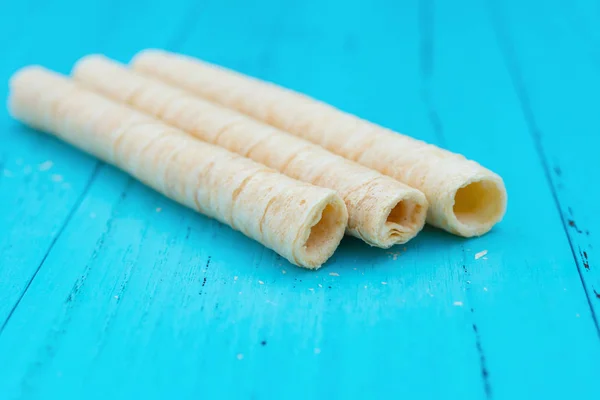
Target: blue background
x: 111, y: 291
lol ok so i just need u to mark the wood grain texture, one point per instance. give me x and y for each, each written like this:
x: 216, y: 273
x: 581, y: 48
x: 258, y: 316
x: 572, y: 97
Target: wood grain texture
x: 121, y: 293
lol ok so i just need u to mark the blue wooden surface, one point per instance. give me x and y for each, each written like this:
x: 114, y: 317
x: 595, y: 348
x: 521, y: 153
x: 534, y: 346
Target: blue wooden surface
x: 109, y: 290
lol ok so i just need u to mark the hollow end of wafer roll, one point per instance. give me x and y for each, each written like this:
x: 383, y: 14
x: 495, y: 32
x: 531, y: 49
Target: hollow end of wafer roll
x: 325, y: 227
x: 403, y: 218
x: 478, y: 205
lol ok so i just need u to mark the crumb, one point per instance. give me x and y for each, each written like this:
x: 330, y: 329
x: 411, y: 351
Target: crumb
x: 334, y: 274
x: 458, y: 303
x: 158, y: 209
x: 384, y: 283
x: 354, y: 269
x: 261, y: 282
x: 484, y: 289
x: 45, y: 166
x: 56, y: 178
x: 283, y: 271
x: 481, y: 254
x: 311, y: 289
x: 116, y: 297
x: 240, y: 356
x: 365, y: 286
x: 235, y: 278
x: 317, y: 350
x: 320, y: 285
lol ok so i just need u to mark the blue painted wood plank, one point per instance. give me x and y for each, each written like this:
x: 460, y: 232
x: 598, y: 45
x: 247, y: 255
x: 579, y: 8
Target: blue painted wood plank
x: 554, y: 65
x: 141, y: 297
x: 481, y: 114
x: 42, y: 180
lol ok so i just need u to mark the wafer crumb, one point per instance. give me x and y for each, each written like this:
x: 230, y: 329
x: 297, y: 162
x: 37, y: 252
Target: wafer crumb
x: 56, y: 178
x: 45, y: 166
x: 334, y: 274
x: 480, y: 254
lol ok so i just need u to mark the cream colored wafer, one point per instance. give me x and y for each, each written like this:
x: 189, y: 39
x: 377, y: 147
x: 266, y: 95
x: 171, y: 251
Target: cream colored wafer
x: 382, y: 211
x: 302, y: 222
x: 464, y: 197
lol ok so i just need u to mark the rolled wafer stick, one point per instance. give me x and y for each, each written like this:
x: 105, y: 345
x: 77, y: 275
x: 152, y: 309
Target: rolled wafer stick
x: 464, y: 197
x: 302, y: 222
x: 382, y: 211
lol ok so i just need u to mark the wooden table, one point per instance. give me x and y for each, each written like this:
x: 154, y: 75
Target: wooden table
x: 111, y: 291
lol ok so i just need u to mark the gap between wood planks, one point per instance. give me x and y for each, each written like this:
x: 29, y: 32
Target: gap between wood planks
x: 426, y: 65
x: 514, y: 71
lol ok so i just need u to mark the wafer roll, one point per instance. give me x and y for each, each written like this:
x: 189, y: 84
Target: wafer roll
x: 464, y: 197
x: 301, y: 222
x: 382, y: 211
